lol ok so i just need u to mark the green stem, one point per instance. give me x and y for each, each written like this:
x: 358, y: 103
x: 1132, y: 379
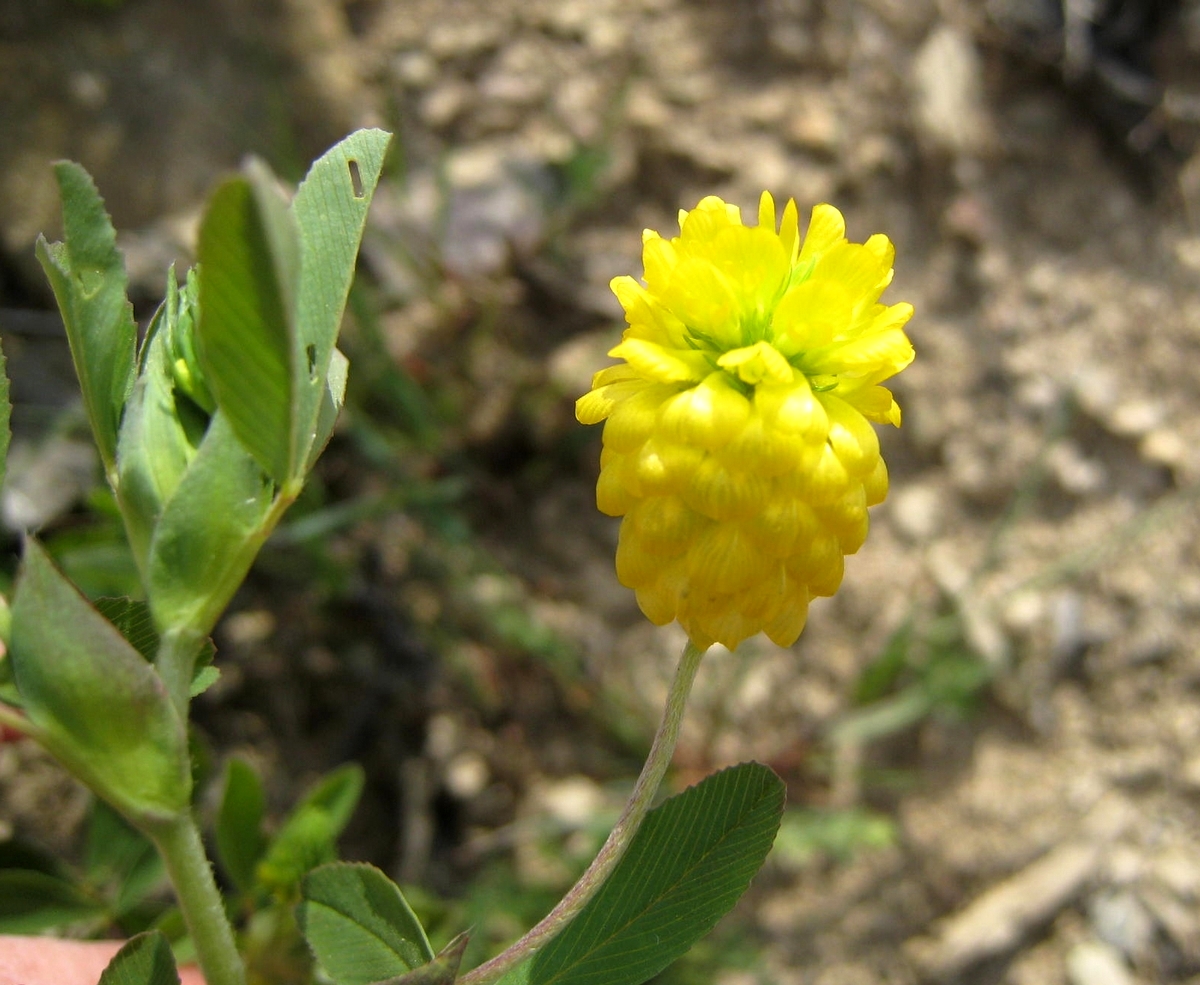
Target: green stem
x: 175, y: 663
x: 178, y: 841
x: 618, y: 840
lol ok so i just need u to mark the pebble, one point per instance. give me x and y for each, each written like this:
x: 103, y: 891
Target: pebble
x: 1120, y: 920
x: 918, y: 511
x: 1097, y: 963
x: 948, y: 92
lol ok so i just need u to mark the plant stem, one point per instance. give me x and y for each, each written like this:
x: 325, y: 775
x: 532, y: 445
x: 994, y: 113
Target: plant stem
x: 178, y: 841
x: 618, y: 840
x: 175, y: 663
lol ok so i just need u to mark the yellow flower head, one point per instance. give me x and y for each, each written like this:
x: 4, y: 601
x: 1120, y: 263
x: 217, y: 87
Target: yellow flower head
x: 737, y: 445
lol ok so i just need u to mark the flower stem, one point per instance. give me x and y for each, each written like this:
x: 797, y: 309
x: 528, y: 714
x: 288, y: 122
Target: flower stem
x: 618, y: 840
x: 178, y: 842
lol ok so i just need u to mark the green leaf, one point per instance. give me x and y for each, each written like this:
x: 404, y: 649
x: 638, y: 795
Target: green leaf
x: 337, y: 794
x: 689, y: 863
x: 249, y: 256
x: 92, y: 699
x: 442, y: 970
x: 153, y: 448
x: 308, y: 837
x: 209, y: 533
x: 87, y: 275
x: 331, y: 405
x: 359, y: 926
x: 306, y: 840
x: 121, y: 856
x: 134, y: 621
x: 32, y: 902
x: 144, y: 960
x: 330, y: 209
x: 6, y: 416
x: 240, y: 838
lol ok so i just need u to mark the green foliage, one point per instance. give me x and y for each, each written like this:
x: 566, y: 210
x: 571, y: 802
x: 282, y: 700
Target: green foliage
x: 87, y: 275
x: 144, y: 960
x: 122, y: 864
x: 32, y: 902
x: 308, y: 837
x: 359, y: 926
x: 92, y: 699
x: 839, y: 834
x: 688, y: 864
x: 920, y: 672
x: 240, y: 838
x: 250, y: 257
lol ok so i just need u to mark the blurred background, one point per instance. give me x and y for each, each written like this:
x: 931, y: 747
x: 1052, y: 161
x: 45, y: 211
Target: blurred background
x: 990, y: 736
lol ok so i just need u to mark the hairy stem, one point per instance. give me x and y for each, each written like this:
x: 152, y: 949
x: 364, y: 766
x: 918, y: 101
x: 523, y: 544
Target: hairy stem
x: 618, y: 840
x: 178, y: 841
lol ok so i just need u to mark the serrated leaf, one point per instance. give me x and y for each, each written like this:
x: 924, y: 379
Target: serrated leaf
x: 689, y: 863
x: 240, y: 838
x: 359, y: 926
x: 209, y: 533
x: 87, y: 275
x: 144, y: 960
x: 249, y: 257
x: 92, y: 699
x: 32, y: 902
x: 330, y: 209
x: 442, y: 970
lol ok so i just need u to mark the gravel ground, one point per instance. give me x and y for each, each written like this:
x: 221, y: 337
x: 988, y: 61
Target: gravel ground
x: 1039, y: 178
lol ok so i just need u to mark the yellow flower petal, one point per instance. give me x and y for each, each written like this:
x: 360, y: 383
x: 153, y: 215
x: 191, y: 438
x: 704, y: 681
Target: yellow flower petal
x: 738, y: 446
x: 706, y: 416
x: 758, y: 363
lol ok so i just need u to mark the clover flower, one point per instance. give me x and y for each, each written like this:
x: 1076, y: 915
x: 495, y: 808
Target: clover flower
x: 737, y: 442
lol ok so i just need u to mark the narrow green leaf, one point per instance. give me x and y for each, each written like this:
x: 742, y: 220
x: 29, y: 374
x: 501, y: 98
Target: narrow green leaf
x: 209, y: 532
x: 337, y: 793
x: 359, y: 926
x: 87, y: 275
x: 308, y: 837
x: 144, y: 960
x: 689, y: 863
x: 240, y: 838
x: 306, y: 840
x: 32, y: 902
x: 93, y: 700
x: 249, y: 255
x: 442, y: 970
x: 330, y: 209
x: 6, y: 417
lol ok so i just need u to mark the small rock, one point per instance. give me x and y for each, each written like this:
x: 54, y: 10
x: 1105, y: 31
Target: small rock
x: 1097, y: 963
x: 948, y: 92
x: 1120, y: 920
x: 918, y: 511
